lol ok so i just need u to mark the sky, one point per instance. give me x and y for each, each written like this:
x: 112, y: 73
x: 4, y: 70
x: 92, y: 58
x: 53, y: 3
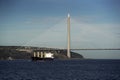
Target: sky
x: 43, y: 23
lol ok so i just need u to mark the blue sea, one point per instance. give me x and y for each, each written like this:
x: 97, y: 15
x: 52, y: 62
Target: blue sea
x: 96, y: 69
x: 99, y: 54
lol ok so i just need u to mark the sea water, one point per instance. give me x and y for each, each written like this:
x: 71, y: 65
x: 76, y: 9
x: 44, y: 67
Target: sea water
x: 97, y: 69
x: 99, y: 54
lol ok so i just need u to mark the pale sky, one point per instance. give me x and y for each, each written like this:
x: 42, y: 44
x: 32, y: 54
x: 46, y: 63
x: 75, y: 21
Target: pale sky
x: 43, y: 23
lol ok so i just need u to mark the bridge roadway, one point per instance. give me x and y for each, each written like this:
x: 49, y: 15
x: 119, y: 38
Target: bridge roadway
x: 56, y: 50
x: 99, y: 49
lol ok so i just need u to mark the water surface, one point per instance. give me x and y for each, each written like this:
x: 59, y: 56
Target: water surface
x: 60, y: 70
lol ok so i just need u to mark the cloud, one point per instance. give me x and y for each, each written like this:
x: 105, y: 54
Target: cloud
x: 36, y: 20
x: 95, y: 35
x: 83, y: 35
x: 53, y: 36
x: 52, y: 32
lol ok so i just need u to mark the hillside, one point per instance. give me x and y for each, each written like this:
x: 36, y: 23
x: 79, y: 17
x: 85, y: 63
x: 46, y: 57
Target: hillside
x: 22, y: 52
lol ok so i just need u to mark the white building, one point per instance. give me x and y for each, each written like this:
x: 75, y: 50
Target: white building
x: 48, y: 55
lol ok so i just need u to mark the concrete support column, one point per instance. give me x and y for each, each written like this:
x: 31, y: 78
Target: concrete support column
x: 68, y: 36
x: 41, y: 54
x: 34, y: 54
x: 38, y: 54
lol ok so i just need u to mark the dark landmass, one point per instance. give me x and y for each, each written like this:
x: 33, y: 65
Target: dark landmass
x: 25, y: 52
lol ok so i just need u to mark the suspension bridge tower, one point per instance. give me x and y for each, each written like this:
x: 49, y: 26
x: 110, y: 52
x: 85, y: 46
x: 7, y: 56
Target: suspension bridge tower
x: 68, y: 36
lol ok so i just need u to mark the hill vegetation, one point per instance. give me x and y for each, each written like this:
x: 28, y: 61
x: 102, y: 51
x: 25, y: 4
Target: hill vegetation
x: 23, y: 52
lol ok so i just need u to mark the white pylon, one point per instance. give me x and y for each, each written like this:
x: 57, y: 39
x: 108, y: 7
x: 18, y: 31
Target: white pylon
x: 68, y: 36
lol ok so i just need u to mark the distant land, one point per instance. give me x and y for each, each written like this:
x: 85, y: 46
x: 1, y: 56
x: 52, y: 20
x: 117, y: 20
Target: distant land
x: 26, y: 52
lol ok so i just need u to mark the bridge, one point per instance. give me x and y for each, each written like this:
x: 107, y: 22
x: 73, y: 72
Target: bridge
x: 57, y: 49
x: 68, y: 50
x: 97, y: 49
x: 42, y: 51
